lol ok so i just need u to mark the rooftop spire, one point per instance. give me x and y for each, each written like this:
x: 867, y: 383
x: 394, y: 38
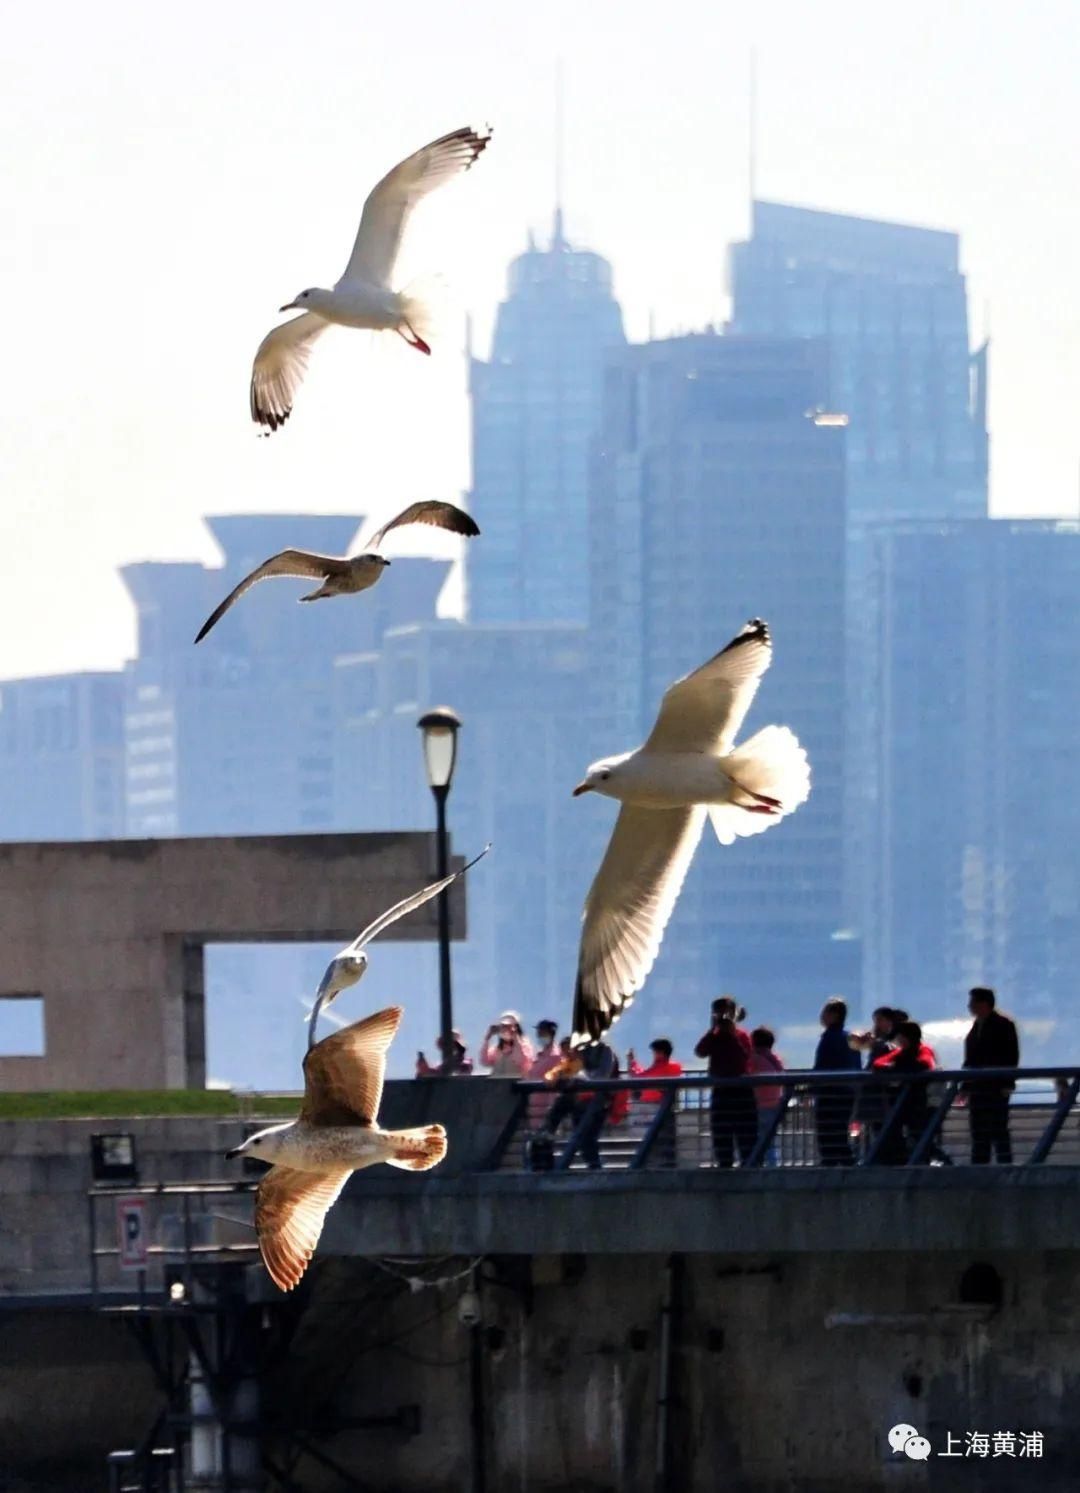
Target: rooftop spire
x: 558, y: 238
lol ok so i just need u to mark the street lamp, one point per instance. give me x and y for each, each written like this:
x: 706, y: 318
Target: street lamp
x: 440, y: 728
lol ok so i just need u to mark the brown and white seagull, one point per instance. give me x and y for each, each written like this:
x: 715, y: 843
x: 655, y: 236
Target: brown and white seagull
x: 688, y: 768
x: 341, y: 576
x: 335, y: 1134
x: 364, y: 297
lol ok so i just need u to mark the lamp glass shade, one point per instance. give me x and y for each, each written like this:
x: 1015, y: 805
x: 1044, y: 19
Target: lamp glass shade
x: 440, y: 750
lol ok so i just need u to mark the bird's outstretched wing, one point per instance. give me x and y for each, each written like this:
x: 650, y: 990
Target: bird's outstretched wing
x: 290, y: 1208
x: 279, y: 368
x: 703, y: 711
x: 290, y: 562
x: 428, y: 511
x: 628, y: 907
x: 408, y: 904
x: 389, y: 204
x: 329, y: 988
x: 343, y: 1074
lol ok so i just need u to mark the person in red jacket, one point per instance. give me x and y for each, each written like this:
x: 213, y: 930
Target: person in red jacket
x: 662, y: 1066
x: 733, y: 1109
x: 910, y: 1055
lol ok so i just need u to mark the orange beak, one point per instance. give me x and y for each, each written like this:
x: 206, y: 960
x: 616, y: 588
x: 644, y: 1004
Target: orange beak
x: 582, y: 788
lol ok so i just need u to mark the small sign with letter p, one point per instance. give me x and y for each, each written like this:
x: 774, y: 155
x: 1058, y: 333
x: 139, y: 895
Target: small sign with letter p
x: 131, y: 1233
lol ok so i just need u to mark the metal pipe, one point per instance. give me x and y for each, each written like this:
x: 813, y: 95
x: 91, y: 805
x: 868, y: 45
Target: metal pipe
x: 663, y: 1478
x: 477, y: 1425
x: 446, y: 1004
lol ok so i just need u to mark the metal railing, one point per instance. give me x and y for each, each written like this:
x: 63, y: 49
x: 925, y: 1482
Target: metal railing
x: 1021, y: 1116
x: 183, y: 1228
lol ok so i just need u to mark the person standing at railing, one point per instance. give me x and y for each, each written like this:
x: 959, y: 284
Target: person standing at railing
x: 910, y: 1055
x: 458, y: 1066
x: 768, y: 1097
x: 548, y: 1056
x: 870, y: 1100
x: 732, y: 1111
x: 506, y: 1050
x: 663, y: 1065
x: 585, y: 1107
x: 833, y: 1103
x: 992, y: 1042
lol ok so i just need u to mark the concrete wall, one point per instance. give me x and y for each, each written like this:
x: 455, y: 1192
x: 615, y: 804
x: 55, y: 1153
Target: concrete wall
x: 111, y: 935
x: 73, y: 1387
x: 768, y: 1396
x: 45, y: 1173
x: 811, y: 1313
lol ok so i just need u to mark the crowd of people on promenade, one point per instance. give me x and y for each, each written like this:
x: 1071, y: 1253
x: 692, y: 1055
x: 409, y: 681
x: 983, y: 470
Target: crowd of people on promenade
x: 890, y: 1119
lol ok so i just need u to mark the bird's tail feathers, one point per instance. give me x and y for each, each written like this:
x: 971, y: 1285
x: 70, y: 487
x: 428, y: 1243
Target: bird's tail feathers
x: 415, y: 1150
x: 773, y: 774
x: 423, y: 305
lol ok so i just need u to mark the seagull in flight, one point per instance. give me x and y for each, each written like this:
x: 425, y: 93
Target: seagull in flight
x: 689, y: 768
x: 349, y: 963
x: 336, y: 1133
x: 341, y: 576
x: 364, y: 296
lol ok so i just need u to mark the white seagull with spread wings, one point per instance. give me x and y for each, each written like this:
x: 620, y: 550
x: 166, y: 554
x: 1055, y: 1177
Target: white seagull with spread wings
x: 349, y: 963
x: 364, y: 296
x: 685, y: 770
x: 342, y: 576
x: 335, y: 1134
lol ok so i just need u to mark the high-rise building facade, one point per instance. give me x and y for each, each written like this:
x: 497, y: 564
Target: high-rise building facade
x: 887, y: 302
x: 236, y: 736
x: 534, y: 409
x: 890, y: 303
x: 62, y: 757
x: 976, y: 871
x: 718, y: 496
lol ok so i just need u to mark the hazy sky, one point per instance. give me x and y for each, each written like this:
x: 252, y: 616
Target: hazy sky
x: 172, y: 175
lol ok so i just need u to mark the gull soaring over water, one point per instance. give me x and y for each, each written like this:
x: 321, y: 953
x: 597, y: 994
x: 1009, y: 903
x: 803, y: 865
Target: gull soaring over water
x: 335, y: 1134
x: 687, y: 769
x: 340, y: 575
x: 349, y: 963
x: 364, y: 296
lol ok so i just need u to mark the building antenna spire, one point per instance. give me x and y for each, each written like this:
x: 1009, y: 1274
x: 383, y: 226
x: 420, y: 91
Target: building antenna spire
x: 752, y: 133
x: 558, y: 239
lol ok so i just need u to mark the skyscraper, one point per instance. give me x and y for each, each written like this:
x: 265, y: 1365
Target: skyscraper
x: 890, y: 302
x: 62, y: 757
x: 719, y: 496
x: 534, y: 409
x: 975, y: 877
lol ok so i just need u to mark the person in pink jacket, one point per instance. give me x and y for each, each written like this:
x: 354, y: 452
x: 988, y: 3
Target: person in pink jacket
x: 768, y: 1096
x: 506, y: 1050
x: 548, y: 1056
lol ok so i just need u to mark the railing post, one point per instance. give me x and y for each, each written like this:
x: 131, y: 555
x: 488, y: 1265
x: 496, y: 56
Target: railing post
x: 93, y: 1252
x: 570, y: 1150
x: 506, y: 1135
x: 934, y: 1124
x: 892, y: 1121
x: 766, y: 1138
x: 656, y: 1124
x: 1053, y: 1125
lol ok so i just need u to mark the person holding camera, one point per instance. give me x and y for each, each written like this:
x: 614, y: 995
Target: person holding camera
x: 733, y: 1110
x: 505, y: 1050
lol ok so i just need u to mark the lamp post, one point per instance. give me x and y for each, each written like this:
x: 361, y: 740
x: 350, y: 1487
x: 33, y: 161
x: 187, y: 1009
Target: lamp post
x: 440, y: 728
